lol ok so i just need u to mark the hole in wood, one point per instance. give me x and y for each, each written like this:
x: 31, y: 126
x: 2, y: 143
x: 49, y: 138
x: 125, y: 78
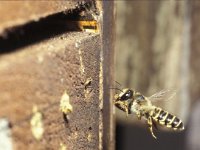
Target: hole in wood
x: 32, y: 32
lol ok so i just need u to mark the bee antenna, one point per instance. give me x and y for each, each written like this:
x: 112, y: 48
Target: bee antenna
x: 118, y: 83
x: 116, y: 89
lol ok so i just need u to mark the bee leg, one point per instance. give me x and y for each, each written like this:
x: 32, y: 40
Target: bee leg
x: 139, y: 116
x: 154, y: 124
x: 150, y: 124
x: 126, y: 110
x: 122, y: 106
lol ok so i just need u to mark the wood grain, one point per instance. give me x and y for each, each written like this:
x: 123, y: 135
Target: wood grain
x: 39, y: 72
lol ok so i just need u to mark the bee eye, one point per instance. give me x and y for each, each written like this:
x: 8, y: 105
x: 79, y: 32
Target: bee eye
x: 127, y: 95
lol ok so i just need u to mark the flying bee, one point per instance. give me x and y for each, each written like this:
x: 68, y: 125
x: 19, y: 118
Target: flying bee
x: 131, y: 101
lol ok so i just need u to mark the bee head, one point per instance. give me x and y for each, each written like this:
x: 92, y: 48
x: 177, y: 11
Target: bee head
x: 124, y: 95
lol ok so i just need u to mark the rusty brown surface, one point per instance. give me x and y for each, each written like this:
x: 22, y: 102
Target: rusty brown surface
x: 14, y: 13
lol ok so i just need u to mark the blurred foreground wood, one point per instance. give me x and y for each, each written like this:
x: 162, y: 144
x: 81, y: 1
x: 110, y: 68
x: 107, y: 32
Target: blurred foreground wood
x: 46, y: 60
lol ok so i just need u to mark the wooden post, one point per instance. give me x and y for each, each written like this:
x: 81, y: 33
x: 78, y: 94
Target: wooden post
x: 54, y: 77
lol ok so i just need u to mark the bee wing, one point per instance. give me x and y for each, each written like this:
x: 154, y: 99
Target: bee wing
x: 162, y: 95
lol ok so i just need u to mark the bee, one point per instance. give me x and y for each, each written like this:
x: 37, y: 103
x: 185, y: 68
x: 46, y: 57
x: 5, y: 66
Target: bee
x: 133, y: 102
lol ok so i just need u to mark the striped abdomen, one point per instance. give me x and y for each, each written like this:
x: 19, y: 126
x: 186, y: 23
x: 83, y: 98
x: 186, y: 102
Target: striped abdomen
x: 167, y: 119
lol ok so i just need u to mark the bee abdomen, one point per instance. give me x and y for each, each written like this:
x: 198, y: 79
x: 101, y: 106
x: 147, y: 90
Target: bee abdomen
x: 167, y: 119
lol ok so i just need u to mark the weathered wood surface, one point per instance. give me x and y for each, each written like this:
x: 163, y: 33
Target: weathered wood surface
x: 14, y: 13
x: 108, y: 74
x: 38, y: 74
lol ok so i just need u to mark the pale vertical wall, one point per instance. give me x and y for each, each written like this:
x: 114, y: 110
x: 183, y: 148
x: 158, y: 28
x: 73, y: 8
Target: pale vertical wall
x: 153, y: 50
